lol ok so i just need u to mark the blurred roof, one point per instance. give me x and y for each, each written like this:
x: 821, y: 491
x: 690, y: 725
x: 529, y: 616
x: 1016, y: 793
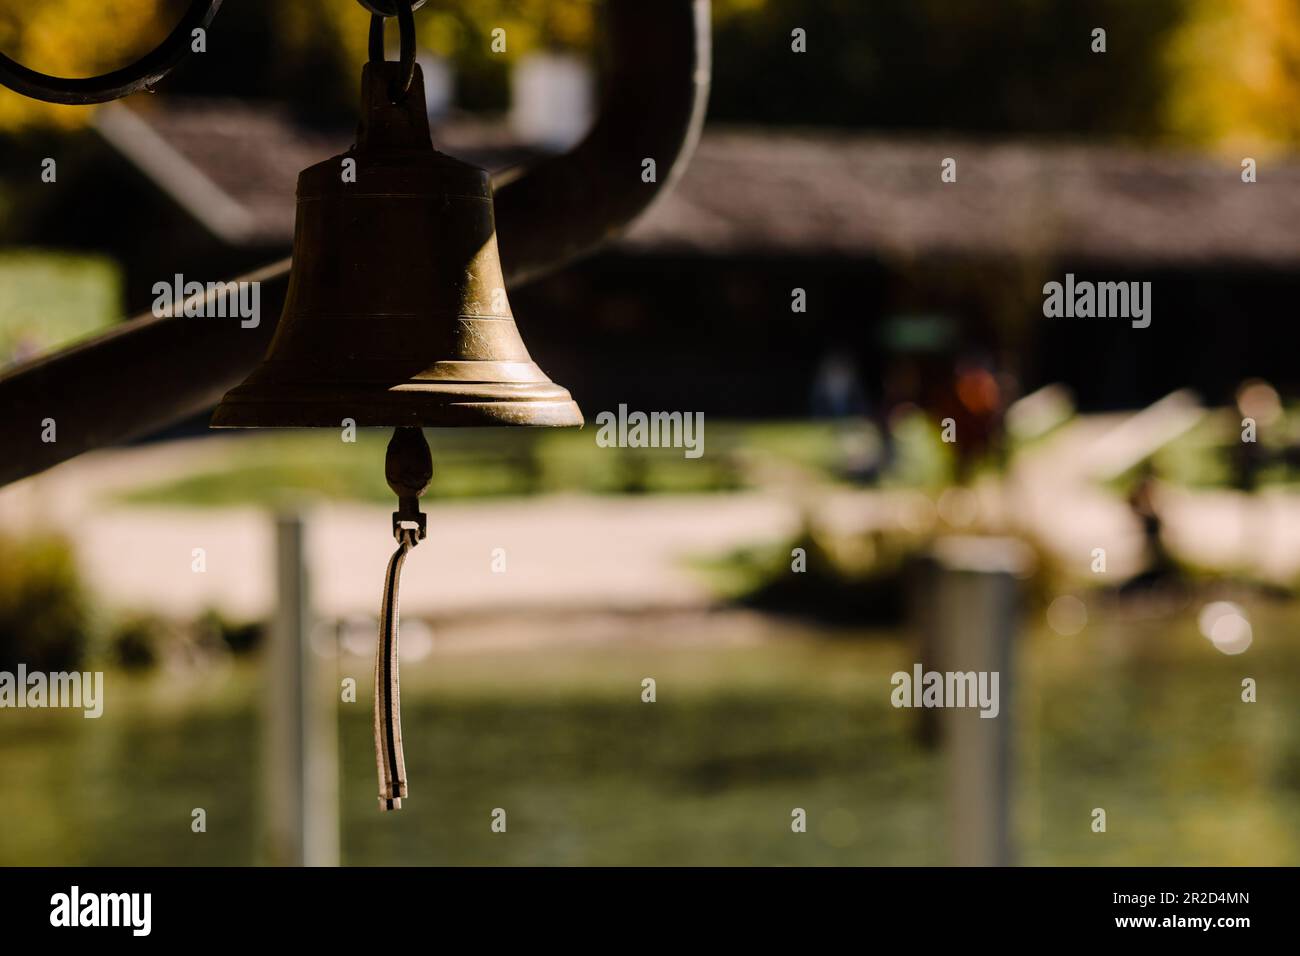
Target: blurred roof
x: 783, y: 192
x: 234, y: 166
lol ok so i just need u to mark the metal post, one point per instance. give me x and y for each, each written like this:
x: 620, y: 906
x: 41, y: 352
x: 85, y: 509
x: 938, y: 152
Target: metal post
x: 301, y: 744
x: 976, y: 596
x: 924, y: 639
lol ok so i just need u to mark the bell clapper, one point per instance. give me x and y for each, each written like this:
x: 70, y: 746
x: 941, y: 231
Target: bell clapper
x: 408, y: 468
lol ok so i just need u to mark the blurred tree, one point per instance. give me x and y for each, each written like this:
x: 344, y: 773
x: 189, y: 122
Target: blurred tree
x: 332, y: 34
x: 72, y: 38
x: 1236, y: 65
x: 44, y: 608
x: 1018, y: 66
x: 1199, y: 71
x: 306, y: 52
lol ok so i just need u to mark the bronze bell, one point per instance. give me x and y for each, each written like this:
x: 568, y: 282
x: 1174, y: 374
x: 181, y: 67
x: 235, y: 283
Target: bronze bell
x: 396, y: 312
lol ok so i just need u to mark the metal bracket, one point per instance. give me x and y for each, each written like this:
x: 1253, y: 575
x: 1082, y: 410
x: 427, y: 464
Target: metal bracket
x: 409, y: 516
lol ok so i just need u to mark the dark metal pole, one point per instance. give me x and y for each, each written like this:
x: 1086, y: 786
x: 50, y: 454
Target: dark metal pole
x: 152, y: 372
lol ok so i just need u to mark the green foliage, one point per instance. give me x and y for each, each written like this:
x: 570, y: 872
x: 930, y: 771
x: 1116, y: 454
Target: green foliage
x: 73, y: 38
x: 1237, y: 70
x: 44, y: 611
x: 1225, y: 71
x: 1013, y: 66
x: 1203, y: 457
x: 861, y: 580
x: 137, y: 642
x: 141, y: 641
x: 238, y: 638
x: 315, y: 48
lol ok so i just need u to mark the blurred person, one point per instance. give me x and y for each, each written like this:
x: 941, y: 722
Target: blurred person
x: 972, y: 397
x: 838, y: 394
x: 1160, y: 567
x: 1259, y: 409
x: 837, y: 390
x: 1258, y: 403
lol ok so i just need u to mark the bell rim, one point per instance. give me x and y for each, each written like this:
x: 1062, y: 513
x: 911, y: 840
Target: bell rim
x: 383, y: 411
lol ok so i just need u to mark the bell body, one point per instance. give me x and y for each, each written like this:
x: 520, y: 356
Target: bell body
x: 396, y: 312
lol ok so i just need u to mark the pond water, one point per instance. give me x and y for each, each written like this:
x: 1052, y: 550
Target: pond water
x: 753, y: 717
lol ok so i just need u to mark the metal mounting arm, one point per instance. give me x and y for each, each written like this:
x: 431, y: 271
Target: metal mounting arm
x: 152, y: 372
x: 652, y: 107
x: 141, y: 75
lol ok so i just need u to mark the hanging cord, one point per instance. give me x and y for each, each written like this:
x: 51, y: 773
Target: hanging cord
x: 408, y: 468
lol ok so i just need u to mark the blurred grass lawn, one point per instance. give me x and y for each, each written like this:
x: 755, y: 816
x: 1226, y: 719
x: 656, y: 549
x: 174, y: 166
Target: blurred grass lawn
x: 270, y: 468
x: 1143, y: 718
x: 273, y: 468
x: 49, y: 299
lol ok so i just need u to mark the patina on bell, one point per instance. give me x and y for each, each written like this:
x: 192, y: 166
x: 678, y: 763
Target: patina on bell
x: 396, y: 312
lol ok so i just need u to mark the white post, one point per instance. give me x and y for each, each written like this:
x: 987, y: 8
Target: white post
x: 976, y: 598
x: 300, y: 736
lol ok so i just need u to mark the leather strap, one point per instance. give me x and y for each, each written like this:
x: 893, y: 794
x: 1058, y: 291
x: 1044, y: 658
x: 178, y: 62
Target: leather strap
x: 388, y: 699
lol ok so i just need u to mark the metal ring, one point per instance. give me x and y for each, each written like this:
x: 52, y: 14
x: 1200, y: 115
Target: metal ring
x: 144, y: 73
x: 406, y: 26
x: 388, y: 8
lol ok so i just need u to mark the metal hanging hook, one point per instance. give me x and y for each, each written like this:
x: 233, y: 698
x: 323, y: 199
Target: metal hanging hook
x: 404, y: 11
x: 143, y: 74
